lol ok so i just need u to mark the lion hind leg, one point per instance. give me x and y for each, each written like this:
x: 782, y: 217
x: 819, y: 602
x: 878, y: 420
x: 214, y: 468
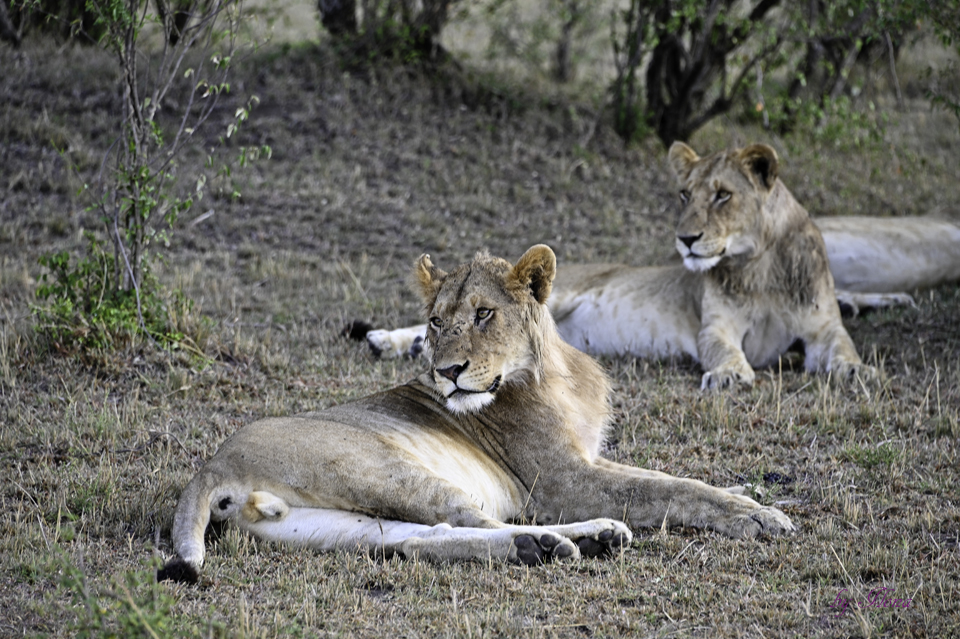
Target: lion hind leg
x: 263, y: 505
x: 596, y: 537
x: 329, y: 530
x: 528, y: 545
x: 853, y: 304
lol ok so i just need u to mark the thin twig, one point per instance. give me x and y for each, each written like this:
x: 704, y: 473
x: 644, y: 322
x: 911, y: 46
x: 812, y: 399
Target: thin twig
x: 893, y: 70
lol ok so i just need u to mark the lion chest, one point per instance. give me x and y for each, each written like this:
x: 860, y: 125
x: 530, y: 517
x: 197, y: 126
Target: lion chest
x: 764, y: 304
x: 464, y: 465
x: 768, y: 335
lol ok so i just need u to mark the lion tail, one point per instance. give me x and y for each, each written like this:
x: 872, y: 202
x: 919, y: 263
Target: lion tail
x: 207, y: 494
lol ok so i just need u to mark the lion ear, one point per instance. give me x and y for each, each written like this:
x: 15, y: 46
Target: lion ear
x: 427, y: 279
x: 682, y: 158
x: 534, y: 271
x: 762, y: 161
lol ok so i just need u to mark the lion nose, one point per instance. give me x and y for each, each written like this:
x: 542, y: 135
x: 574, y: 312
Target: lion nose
x: 453, y: 372
x: 689, y: 239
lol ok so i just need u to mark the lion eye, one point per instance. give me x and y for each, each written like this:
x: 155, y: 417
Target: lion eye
x: 722, y: 196
x: 483, y: 313
x: 436, y: 322
x: 684, y: 196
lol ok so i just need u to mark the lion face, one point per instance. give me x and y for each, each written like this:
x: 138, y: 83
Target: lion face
x: 723, y: 197
x: 484, y: 324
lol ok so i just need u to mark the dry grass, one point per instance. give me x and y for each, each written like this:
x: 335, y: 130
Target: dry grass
x: 368, y: 172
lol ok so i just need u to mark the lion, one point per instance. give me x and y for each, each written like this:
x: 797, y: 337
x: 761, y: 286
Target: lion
x: 505, y: 427
x: 757, y: 278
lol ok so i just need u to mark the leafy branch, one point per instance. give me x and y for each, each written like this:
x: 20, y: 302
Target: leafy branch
x: 139, y: 192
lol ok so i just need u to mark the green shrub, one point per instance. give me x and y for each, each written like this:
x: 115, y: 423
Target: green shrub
x: 87, y: 311
x: 107, y: 296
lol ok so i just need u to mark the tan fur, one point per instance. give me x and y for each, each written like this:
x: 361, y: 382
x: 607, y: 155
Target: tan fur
x: 506, y: 425
x: 754, y: 281
x: 890, y: 255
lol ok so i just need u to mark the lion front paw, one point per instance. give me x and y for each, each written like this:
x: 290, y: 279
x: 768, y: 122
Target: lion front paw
x: 844, y: 372
x: 727, y: 377
x: 764, y: 521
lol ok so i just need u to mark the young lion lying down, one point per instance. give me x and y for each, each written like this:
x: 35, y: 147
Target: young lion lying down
x: 755, y: 278
x: 505, y: 426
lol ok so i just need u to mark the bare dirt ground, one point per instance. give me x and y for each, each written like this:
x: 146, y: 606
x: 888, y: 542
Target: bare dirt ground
x: 370, y: 169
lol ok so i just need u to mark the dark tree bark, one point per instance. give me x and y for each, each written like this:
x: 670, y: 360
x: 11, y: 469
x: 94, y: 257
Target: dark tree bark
x: 681, y: 79
x: 175, y: 16
x: 831, y: 53
x: 7, y: 31
x: 408, y: 29
x: 563, y: 69
x: 338, y: 17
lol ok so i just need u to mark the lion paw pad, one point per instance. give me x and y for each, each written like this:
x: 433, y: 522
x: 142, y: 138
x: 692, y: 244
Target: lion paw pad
x: 532, y: 551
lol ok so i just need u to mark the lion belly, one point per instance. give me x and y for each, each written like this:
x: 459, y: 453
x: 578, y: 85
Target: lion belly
x: 463, y: 466
x: 642, y: 311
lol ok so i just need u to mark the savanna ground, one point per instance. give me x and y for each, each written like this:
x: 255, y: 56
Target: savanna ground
x: 370, y: 169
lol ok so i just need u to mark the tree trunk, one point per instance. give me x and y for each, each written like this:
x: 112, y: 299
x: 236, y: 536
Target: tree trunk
x: 563, y: 69
x: 7, y: 30
x: 338, y: 17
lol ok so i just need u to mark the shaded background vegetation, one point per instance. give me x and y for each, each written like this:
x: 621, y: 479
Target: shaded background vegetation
x: 470, y: 143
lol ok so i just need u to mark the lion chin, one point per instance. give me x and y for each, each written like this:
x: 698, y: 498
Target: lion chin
x: 465, y: 402
x: 699, y: 264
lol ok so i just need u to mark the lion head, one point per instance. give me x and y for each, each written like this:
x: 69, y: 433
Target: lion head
x: 485, y: 323
x: 723, y: 197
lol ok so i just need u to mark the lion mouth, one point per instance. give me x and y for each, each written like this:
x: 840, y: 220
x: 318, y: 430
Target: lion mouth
x: 490, y: 389
x: 697, y: 256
